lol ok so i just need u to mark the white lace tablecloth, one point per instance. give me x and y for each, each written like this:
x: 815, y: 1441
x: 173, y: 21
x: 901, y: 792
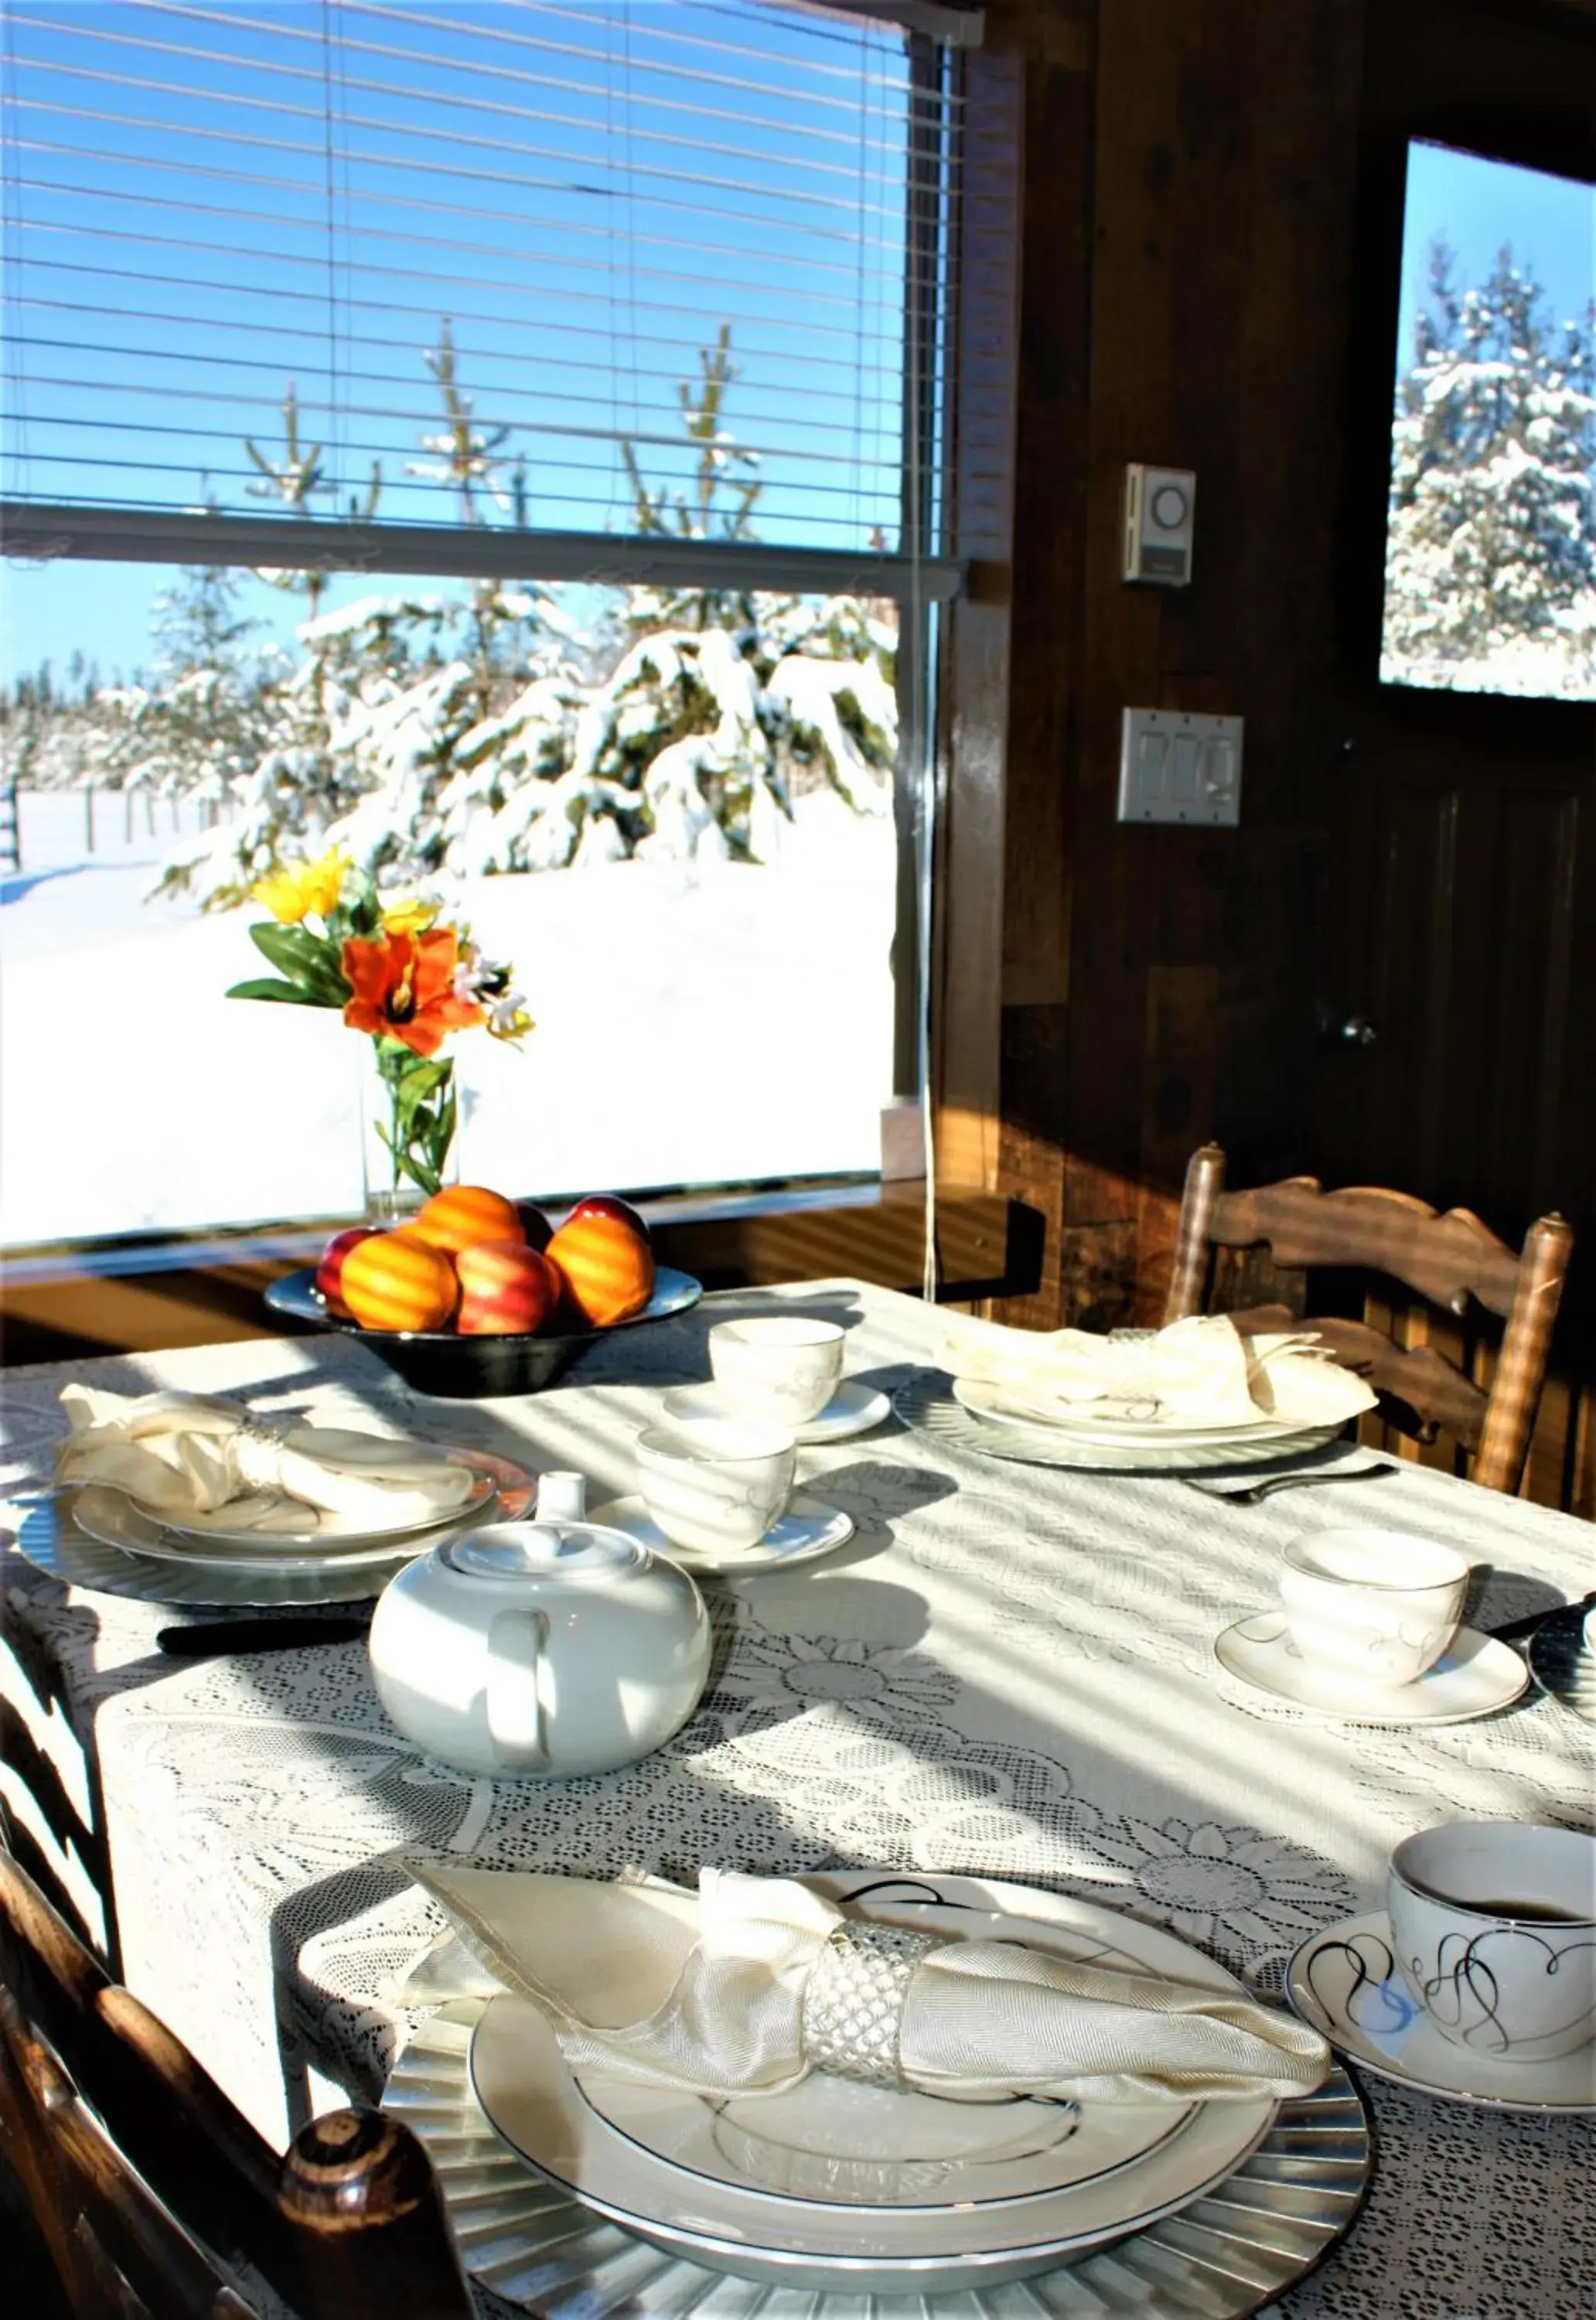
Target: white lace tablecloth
x: 1009, y: 1671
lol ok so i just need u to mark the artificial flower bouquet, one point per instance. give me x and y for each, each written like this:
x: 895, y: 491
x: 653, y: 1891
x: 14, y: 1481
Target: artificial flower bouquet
x: 401, y: 973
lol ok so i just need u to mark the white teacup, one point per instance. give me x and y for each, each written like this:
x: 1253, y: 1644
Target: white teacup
x: 716, y: 1485
x: 1378, y: 1605
x: 1493, y: 1928
x: 780, y: 1365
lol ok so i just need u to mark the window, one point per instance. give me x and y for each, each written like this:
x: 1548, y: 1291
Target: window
x: 504, y: 441
x: 1491, y: 546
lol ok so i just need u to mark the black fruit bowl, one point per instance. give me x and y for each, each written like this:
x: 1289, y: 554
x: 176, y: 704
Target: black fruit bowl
x: 473, y: 1368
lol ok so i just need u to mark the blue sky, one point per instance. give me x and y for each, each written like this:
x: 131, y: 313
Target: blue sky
x: 202, y: 199
x: 1478, y: 205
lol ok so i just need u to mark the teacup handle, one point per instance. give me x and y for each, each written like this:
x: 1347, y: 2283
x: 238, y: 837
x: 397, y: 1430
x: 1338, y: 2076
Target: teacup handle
x: 515, y: 1645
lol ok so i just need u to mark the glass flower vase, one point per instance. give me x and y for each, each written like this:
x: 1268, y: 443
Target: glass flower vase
x: 409, y: 1118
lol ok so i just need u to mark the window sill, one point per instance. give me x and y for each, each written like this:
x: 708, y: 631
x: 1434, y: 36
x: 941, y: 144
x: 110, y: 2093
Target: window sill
x: 142, y: 1297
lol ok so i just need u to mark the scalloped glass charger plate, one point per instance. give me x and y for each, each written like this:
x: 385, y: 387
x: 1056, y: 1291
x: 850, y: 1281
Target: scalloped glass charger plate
x: 897, y: 2193
x: 1224, y: 2257
x: 928, y: 1404
x: 1563, y: 1664
x: 53, y: 1542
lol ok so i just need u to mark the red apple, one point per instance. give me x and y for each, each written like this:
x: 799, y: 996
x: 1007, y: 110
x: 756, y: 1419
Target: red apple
x: 507, y: 1290
x: 329, y: 1271
x: 610, y: 1204
x: 534, y: 1223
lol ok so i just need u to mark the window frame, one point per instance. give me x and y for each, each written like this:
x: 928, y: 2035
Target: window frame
x: 923, y: 579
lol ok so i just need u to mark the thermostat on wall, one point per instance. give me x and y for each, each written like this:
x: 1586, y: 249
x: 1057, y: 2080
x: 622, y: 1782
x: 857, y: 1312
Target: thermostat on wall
x: 1159, y: 522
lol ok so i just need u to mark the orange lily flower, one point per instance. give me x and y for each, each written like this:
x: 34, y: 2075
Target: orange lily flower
x: 404, y: 987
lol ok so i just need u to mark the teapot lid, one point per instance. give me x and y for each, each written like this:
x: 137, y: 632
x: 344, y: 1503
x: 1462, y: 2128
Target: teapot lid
x: 542, y: 1550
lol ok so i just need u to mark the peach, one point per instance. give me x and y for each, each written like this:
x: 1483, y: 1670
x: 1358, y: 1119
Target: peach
x: 606, y: 1267
x: 610, y: 1204
x: 463, y: 1214
x: 506, y: 1289
x: 398, y: 1281
x: 329, y: 1271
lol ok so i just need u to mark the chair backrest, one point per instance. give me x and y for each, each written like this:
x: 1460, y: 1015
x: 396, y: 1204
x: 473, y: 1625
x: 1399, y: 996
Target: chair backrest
x: 1451, y: 1261
x: 156, y: 2199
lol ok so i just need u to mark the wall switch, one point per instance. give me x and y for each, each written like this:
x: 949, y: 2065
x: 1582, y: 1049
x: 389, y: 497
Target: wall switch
x: 1176, y: 766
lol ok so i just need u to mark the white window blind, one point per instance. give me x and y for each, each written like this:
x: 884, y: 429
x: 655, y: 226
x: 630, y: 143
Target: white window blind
x: 418, y: 286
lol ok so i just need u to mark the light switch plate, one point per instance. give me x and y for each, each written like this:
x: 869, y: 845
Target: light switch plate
x: 1176, y: 766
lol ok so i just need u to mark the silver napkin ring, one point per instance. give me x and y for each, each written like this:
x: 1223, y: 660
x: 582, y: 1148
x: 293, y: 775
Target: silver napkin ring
x: 853, y: 2001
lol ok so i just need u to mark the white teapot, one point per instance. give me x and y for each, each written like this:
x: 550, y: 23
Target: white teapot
x: 540, y: 1649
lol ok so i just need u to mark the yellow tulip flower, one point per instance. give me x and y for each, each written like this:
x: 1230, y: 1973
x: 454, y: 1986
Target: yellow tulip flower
x: 412, y: 917
x: 304, y: 890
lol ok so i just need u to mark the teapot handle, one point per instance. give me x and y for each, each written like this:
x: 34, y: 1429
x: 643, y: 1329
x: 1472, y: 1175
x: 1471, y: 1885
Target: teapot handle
x: 515, y: 1643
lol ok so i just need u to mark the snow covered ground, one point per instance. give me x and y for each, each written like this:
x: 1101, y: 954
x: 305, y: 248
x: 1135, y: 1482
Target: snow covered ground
x: 695, y: 1025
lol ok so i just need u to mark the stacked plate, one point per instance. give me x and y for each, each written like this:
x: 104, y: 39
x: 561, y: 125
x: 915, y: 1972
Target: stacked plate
x: 836, y: 2186
x: 100, y: 1538
x: 1111, y: 1435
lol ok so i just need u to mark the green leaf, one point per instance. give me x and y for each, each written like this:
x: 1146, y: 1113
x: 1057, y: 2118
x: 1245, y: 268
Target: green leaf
x: 428, y: 1074
x: 310, y: 960
x: 267, y: 987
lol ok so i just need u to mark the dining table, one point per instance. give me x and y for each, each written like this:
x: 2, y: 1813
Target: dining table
x: 1008, y: 1671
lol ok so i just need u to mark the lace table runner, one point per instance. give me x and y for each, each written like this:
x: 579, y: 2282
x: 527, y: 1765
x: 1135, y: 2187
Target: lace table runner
x: 1008, y: 1672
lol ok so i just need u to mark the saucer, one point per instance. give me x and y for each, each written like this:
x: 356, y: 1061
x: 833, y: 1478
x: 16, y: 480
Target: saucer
x: 1344, y: 1983
x: 1476, y: 1677
x: 807, y: 1530
x: 1563, y: 1664
x: 852, y: 1409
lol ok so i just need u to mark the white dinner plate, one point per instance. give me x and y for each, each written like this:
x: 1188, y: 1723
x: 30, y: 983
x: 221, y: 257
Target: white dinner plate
x: 852, y: 1409
x: 112, y: 1517
x: 809, y: 1528
x: 1091, y: 1421
x: 714, y: 2202
x: 1223, y: 2258
x: 305, y: 1527
x: 1345, y: 1984
x: 501, y: 1491
x: 1476, y: 1677
x: 54, y: 1544
x: 927, y: 1403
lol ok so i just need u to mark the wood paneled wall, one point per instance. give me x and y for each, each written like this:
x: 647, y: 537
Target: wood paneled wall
x: 1194, y: 288
x: 1188, y: 171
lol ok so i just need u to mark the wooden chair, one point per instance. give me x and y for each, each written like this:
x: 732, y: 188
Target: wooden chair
x: 155, y: 2199
x: 1449, y: 1260
x: 56, y: 1822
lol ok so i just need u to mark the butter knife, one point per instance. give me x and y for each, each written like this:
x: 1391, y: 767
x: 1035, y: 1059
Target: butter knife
x: 219, y: 1639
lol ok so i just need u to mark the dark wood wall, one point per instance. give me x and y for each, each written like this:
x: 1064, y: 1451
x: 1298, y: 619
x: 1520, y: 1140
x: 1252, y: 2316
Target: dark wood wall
x: 1188, y: 184
x: 1197, y: 288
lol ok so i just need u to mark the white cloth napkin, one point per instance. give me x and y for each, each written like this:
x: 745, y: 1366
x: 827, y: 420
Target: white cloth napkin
x: 703, y: 1992
x: 1202, y: 1370
x: 212, y: 1465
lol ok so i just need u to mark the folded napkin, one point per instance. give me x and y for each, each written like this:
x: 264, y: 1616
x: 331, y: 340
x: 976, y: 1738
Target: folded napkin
x: 751, y: 1983
x: 1202, y: 1370
x: 212, y: 1465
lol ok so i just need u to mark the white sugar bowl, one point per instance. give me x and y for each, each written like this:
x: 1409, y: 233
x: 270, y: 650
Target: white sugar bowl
x: 540, y: 1650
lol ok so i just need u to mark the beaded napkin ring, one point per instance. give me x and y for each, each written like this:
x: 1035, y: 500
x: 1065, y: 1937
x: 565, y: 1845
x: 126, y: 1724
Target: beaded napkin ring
x: 853, y: 2001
